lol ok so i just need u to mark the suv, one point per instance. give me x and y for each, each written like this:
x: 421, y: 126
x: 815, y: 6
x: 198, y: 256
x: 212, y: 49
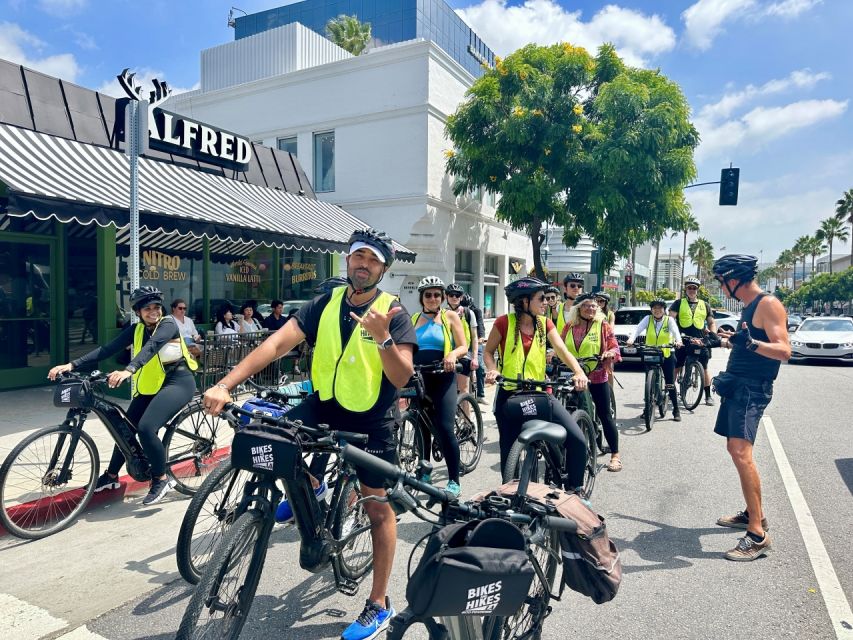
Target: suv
x: 726, y: 320
x: 625, y: 321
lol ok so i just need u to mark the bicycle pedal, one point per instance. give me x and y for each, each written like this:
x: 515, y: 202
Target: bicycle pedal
x: 347, y: 587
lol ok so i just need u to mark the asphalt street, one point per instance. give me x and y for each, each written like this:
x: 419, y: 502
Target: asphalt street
x: 112, y: 574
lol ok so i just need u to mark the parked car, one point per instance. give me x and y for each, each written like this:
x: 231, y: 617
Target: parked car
x: 794, y: 321
x: 726, y: 320
x: 823, y: 339
x: 290, y: 307
x: 625, y: 321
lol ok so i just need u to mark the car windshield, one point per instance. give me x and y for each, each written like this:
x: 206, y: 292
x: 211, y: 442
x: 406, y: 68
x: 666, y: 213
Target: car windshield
x: 630, y: 317
x: 827, y: 324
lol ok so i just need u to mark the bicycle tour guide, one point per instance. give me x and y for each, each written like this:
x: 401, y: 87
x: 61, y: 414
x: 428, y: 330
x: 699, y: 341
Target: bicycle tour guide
x: 441, y: 337
x: 520, y: 339
x: 163, y: 383
x: 364, y: 344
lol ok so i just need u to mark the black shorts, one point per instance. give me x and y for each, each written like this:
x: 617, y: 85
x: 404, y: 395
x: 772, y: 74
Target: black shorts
x: 741, y: 413
x: 681, y: 355
x: 380, y: 434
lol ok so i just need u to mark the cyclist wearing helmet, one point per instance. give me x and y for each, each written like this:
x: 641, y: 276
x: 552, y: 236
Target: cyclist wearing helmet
x: 662, y: 329
x: 746, y: 388
x: 587, y: 334
x: 695, y: 320
x: 520, y: 339
x: 455, y: 293
x: 552, y: 303
x: 439, y: 331
x: 161, y: 367
x: 603, y: 300
x: 364, y: 344
x: 572, y: 288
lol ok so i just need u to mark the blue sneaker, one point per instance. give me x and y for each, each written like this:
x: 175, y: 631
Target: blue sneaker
x: 453, y: 488
x: 285, y: 514
x: 372, y: 621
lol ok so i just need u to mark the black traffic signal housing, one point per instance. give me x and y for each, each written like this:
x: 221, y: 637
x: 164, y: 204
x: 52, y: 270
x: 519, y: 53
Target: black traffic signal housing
x: 729, y: 179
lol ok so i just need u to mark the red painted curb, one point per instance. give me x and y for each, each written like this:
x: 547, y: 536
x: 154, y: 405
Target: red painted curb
x: 127, y: 486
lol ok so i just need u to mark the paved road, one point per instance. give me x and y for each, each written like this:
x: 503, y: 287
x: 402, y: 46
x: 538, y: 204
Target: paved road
x: 112, y: 574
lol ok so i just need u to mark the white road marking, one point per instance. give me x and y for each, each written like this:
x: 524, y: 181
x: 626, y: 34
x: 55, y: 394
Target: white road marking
x: 23, y: 621
x: 80, y: 633
x: 830, y: 588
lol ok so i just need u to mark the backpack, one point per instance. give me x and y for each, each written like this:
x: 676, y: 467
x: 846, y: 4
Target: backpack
x: 591, y: 564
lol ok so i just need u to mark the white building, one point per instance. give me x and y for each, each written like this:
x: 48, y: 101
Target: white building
x: 669, y: 271
x: 369, y: 131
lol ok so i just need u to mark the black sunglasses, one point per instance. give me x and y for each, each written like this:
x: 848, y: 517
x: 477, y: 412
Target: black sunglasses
x: 181, y: 308
x: 575, y: 285
x: 432, y: 294
x: 454, y: 295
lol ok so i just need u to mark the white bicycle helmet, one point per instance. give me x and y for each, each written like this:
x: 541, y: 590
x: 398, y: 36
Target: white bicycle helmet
x: 430, y: 282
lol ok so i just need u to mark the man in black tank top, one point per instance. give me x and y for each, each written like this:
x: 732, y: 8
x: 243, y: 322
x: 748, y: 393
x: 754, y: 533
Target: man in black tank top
x: 746, y: 388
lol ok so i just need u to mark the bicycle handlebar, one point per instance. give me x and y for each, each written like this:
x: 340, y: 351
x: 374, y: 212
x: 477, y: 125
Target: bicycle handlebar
x: 275, y: 394
x: 318, y: 432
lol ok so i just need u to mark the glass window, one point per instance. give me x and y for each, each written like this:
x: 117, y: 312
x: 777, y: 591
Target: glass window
x: 490, y: 296
x: 464, y: 261
x: 301, y: 271
x: 288, y: 144
x: 491, y: 265
x: 82, y: 307
x: 324, y: 161
x: 233, y: 280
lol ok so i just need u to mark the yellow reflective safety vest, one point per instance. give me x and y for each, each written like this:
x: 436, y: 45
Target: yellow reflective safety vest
x: 514, y: 362
x: 590, y: 345
x: 350, y: 374
x: 654, y: 339
x: 445, y: 326
x: 561, y: 318
x: 686, y: 318
x: 148, y: 379
x: 466, y: 328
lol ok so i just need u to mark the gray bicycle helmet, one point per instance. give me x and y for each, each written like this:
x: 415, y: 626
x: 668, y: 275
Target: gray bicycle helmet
x: 454, y: 288
x: 603, y: 295
x: 375, y: 239
x: 145, y: 295
x: 524, y: 287
x: 657, y: 302
x: 583, y: 298
x: 430, y: 282
x: 552, y: 289
x: 572, y: 277
x: 692, y: 280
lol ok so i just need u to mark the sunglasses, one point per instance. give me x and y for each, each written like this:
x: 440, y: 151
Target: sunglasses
x: 432, y: 294
x: 693, y: 288
x: 181, y: 308
x: 601, y: 301
x: 550, y: 298
x: 454, y: 295
x: 574, y: 285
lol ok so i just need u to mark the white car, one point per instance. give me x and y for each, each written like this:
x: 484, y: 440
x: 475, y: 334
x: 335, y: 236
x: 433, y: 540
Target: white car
x: 726, y: 320
x: 625, y: 321
x: 824, y: 338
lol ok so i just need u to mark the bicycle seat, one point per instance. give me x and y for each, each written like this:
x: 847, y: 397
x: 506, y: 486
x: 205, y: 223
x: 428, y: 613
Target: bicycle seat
x: 534, y: 430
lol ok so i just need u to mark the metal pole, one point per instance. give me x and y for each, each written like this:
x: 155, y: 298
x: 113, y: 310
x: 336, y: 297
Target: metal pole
x: 134, y: 145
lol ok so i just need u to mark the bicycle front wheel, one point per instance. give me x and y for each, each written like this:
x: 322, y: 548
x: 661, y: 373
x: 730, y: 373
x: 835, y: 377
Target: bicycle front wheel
x: 591, y: 467
x: 469, y: 432
x: 410, y: 443
x: 649, y: 400
x: 44, y: 485
x: 356, y: 556
x: 515, y: 461
x: 210, y: 513
x: 221, y: 602
x: 692, y: 382
x: 195, y: 444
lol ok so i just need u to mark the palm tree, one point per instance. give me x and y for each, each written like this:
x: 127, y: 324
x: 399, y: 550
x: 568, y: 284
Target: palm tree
x: 766, y: 274
x: 688, y: 224
x: 785, y: 261
x: 701, y: 253
x: 844, y: 212
x: 349, y: 33
x: 832, y: 229
x: 801, y: 250
x: 815, y: 247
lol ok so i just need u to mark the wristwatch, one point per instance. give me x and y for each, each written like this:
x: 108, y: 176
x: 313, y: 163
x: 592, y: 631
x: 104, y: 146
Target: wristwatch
x: 386, y: 344
x: 222, y: 385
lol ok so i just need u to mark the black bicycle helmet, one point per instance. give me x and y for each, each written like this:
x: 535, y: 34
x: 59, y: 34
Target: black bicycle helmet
x: 466, y: 301
x: 603, y: 295
x: 736, y: 266
x: 524, y: 287
x: 657, y: 302
x: 583, y: 298
x: 572, y: 277
x: 454, y: 288
x: 552, y: 289
x: 431, y: 282
x: 329, y: 284
x: 145, y: 295
x: 376, y: 239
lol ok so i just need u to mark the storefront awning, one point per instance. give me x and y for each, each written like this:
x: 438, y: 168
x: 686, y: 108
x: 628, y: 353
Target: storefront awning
x: 51, y: 177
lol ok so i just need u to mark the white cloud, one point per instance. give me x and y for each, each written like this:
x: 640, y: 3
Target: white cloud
x: 636, y: 36
x: 21, y: 47
x: 61, y: 7
x: 144, y: 76
x: 704, y: 20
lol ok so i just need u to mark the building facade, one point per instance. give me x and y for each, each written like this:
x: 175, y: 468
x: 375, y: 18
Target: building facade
x: 669, y: 271
x: 369, y: 131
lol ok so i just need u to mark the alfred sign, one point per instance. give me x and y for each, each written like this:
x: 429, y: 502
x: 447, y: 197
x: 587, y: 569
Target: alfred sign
x: 173, y: 133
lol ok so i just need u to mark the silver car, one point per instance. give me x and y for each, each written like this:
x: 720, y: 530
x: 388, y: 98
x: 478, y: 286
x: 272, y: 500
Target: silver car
x: 824, y: 338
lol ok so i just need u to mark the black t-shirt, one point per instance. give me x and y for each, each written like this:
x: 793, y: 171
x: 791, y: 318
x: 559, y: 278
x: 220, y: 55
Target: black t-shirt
x: 402, y: 332
x: 273, y: 324
x: 691, y: 331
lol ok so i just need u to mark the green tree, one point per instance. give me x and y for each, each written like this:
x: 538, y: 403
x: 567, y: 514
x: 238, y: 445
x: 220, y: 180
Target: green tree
x: 349, y: 33
x: 815, y: 247
x: 784, y: 262
x: 766, y: 274
x: 701, y: 253
x: 844, y: 212
x: 800, y: 251
x: 688, y: 224
x: 832, y: 229
x: 585, y: 143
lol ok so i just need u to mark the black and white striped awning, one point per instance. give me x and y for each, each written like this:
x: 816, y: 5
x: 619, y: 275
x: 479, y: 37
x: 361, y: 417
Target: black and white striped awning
x: 50, y: 177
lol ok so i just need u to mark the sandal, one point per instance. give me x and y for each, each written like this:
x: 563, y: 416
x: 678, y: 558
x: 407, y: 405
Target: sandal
x: 615, y: 464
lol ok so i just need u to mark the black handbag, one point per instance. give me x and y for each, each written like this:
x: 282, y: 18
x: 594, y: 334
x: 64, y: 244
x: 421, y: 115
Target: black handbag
x: 472, y: 568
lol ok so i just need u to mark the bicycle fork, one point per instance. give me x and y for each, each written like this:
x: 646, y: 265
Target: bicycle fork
x: 65, y: 473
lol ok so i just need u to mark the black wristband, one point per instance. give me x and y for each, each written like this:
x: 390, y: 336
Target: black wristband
x: 753, y: 345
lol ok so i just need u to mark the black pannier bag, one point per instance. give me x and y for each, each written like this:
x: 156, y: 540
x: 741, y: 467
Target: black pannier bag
x: 268, y: 450
x: 71, y: 394
x: 471, y: 568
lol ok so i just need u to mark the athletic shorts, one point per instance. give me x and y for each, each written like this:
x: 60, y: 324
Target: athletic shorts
x: 740, y: 415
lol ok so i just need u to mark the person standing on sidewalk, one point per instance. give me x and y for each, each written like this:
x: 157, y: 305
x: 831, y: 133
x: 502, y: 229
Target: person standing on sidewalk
x: 468, y: 301
x: 746, y: 388
x: 455, y: 293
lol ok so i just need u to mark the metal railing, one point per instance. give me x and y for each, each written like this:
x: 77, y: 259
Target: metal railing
x: 219, y: 353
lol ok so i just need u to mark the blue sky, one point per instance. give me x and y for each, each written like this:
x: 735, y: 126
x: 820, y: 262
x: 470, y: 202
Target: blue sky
x: 769, y: 81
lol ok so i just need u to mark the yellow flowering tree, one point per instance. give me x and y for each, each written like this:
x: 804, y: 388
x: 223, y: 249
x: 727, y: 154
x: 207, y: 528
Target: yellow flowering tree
x: 581, y: 141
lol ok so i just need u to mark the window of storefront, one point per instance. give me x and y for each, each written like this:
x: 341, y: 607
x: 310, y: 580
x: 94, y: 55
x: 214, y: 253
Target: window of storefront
x: 464, y: 269
x: 491, y: 284
x: 234, y: 281
x: 81, y: 330
x: 288, y: 144
x: 324, y: 161
x: 301, y: 271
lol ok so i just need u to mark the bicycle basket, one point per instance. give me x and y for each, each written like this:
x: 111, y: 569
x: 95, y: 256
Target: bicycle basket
x: 652, y: 356
x: 72, y: 394
x: 270, y: 451
x: 472, y: 568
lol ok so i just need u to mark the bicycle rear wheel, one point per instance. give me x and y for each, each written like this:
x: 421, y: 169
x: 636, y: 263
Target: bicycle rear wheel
x: 410, y: 442
x: 220, y: 604
x: 469, y: 432
x: 210, y: 513
x: 39, y: 495
x: 591, y: 468
x: 515, y: 459
x: 649, y: 400
x: 195, y: 444
x: 692, y: 382
x: 662, y: 398
x: 356, y: 557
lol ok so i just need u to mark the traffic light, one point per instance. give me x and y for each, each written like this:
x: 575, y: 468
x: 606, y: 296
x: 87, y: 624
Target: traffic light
x: 729, y: 179
x: 628, y: 279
